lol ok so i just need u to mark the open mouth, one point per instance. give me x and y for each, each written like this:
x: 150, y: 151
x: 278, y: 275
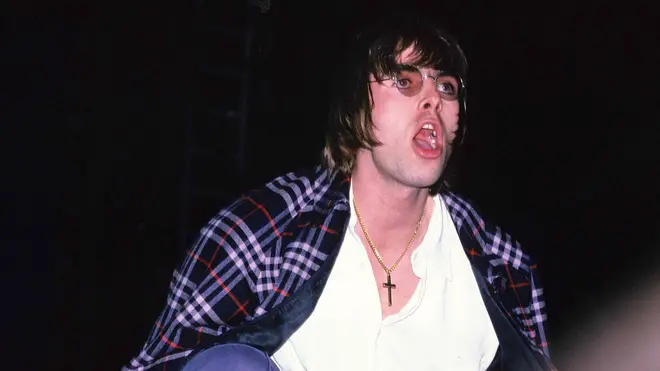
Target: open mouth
x: 427, y: 138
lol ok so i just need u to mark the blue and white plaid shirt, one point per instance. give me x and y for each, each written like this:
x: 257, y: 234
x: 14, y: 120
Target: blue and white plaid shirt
x: 261, y: 249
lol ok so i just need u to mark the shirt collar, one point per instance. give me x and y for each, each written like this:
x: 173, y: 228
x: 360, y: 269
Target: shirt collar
x: 433, y: 252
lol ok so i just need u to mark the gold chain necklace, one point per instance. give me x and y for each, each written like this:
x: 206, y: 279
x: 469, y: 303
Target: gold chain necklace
x: 389, y: 285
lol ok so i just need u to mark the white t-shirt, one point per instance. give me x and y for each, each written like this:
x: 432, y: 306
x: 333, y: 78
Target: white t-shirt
x: 444, y: 326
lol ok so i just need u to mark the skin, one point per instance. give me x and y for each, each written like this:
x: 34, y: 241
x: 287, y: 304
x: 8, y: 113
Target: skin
x: 391, y: 181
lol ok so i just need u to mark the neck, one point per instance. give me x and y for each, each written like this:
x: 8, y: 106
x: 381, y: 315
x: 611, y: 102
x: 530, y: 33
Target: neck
x: 386, y: 205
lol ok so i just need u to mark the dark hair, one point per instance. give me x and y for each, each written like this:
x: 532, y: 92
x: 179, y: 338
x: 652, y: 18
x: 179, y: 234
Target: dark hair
x: 375, y: 52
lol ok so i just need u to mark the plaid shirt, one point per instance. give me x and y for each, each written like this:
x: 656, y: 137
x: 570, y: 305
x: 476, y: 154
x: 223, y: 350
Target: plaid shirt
x: 261, y: 249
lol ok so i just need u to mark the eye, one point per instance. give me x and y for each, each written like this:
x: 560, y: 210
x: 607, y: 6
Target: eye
x: 403, y: 83
x: 408, y: 80
x: 447, y: 86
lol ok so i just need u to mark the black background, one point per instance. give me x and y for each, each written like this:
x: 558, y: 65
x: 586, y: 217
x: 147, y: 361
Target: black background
x: 561, y: 149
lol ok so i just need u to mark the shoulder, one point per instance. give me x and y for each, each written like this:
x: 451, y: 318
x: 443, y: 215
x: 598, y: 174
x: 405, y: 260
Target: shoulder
x: 241, y: 243
x: 491, y: 238
x: 280, y: 199
x: 260, y: 216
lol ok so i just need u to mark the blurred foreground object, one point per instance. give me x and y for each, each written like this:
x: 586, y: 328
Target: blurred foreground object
x: 624, y: 337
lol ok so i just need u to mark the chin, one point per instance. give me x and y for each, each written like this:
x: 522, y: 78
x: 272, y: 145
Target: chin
x: 426, y: 180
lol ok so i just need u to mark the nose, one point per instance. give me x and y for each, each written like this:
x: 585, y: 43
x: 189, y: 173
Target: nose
x: 430, y: 98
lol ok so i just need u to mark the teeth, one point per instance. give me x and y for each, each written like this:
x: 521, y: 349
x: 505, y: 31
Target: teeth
x: 430, y: 127
x: 433, y: 134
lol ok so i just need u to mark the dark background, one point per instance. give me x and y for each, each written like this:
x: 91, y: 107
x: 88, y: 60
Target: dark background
x: 130, y: 125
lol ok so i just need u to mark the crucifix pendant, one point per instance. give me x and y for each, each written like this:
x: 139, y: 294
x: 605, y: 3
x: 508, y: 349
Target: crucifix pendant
x: 389, y: 286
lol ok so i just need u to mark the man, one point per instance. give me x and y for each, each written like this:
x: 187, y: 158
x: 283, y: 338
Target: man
x: 367, y: 262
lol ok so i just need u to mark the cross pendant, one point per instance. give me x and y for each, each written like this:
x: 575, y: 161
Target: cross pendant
x: 389, y: 286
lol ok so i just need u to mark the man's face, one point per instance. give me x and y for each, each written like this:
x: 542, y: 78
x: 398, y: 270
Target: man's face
x: 415, y: 131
